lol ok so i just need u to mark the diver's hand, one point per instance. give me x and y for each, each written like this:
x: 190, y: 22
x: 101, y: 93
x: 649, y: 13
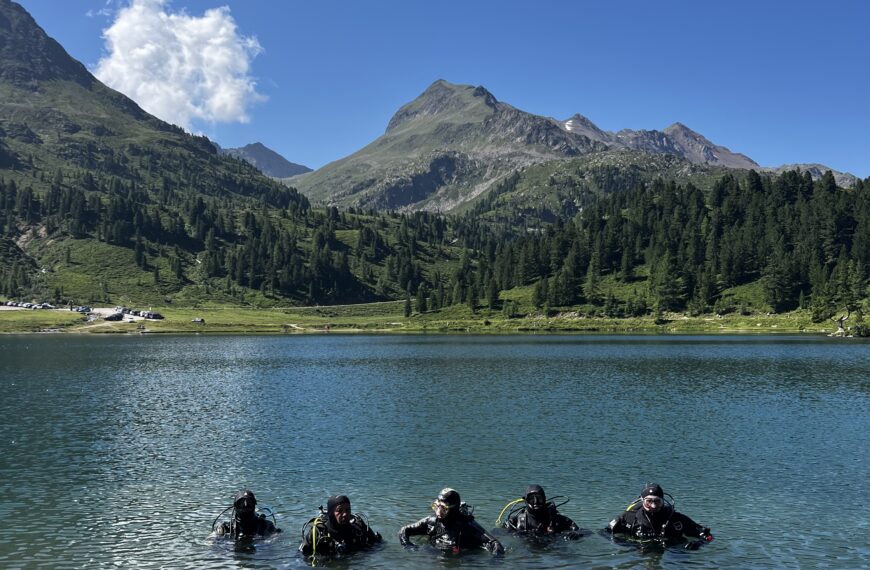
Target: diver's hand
x: 494, y: 547
x: 705, y: 534
x: 572, y: 535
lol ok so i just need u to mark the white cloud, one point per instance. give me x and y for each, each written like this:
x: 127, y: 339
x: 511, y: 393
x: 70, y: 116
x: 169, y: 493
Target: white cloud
x: 106, y: 11
x: 178, y: 67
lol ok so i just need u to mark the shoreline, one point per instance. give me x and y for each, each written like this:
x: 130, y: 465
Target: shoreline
x: 360, y: 320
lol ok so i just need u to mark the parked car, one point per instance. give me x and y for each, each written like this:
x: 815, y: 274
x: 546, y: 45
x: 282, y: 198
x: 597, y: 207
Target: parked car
x: 115, y: 317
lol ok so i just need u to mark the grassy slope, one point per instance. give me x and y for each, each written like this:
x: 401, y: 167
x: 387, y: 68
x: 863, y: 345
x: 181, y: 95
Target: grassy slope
x: 390, y: 152
x: 95, y: 267
x: 388, y: 317
x: 97, y: 271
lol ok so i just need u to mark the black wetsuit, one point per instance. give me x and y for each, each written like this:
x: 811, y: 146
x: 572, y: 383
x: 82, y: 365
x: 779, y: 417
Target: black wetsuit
x: 333, y: 538
x: 252, y: 526
x: 456, y: 532
x: 666, y: 525
x: 545, y: 521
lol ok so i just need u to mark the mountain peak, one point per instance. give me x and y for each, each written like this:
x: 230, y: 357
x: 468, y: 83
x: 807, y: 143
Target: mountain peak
x: 581, y: 125
x: 681, y: 129
x: 700, y: 150
x: 579, y: 119
x: 441, y: 87
x: 29, y: 55
x: 443, y: 99
x: 257, y: 146
x: 267, y: 160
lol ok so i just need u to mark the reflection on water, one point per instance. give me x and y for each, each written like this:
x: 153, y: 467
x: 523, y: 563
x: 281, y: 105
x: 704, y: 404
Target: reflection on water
x: 123, y: 450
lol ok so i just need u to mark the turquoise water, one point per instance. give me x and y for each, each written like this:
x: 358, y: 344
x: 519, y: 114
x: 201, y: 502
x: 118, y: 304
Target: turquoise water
x: 120, y: 451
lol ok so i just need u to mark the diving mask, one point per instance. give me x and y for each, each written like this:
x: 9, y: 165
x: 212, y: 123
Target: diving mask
x: 653, y: 501
x: 441, y: 506
x: 536, y: 501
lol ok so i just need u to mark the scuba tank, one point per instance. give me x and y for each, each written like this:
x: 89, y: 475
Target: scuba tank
x: 550, y: 505
x: 260, y: 514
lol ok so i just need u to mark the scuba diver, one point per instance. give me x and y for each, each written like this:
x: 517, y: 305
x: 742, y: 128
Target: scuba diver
x: 452, y: 528
x: 539, y: 517
x: 652, y: 519
x: 246, y: 522
x: 337, y: 531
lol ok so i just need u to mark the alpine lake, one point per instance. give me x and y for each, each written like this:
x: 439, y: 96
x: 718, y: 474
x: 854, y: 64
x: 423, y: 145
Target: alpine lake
x: 120, y: 451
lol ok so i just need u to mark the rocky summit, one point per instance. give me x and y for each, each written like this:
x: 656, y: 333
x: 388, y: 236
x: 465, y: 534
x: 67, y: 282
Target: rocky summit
x: 267, y: 160
x: 454, y: 143
x: 678, y: 140
x: 442, y: 149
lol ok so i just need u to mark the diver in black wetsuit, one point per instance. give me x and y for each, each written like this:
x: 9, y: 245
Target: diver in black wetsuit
x: 650, y: 518
x: 452, y: 528
x: 540, y: 518
x: 337, y: 531
x: 246, y: 522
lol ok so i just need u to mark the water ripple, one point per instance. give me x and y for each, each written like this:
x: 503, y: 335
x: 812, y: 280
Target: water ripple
x: 121, y: 451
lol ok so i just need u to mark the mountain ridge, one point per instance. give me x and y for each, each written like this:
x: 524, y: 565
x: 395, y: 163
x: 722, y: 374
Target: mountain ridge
x: 30, y: 57
x: 266, y: 160
x: 453, y: 142
x: 441, y: 149
x: 676, y: 139
x: 680, y: 140
x: 55, y: 113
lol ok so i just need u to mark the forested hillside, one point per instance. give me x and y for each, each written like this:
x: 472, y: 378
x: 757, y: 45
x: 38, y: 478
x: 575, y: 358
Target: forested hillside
x: 102, y: 203
x: 798, y: 243
x: 769, y: 244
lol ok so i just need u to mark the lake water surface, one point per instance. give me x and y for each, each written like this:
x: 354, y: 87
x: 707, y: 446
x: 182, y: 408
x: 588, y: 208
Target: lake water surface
x: 120, y: 451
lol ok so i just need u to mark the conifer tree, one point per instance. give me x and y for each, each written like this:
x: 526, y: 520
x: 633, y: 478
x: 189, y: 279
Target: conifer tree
x: 665, y: 285
x: 422, y: 295
x: 539, y: 293
x: 472, y: 298
x: 491, y: 293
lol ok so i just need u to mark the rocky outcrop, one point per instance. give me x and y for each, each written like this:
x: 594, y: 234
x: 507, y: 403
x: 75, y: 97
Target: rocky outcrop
x: 843, y: 179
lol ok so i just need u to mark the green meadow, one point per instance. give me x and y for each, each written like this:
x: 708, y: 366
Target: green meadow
x: 388, y: 317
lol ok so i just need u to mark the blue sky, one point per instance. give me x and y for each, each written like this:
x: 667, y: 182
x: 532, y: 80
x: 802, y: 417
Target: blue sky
x: 782, y: 82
